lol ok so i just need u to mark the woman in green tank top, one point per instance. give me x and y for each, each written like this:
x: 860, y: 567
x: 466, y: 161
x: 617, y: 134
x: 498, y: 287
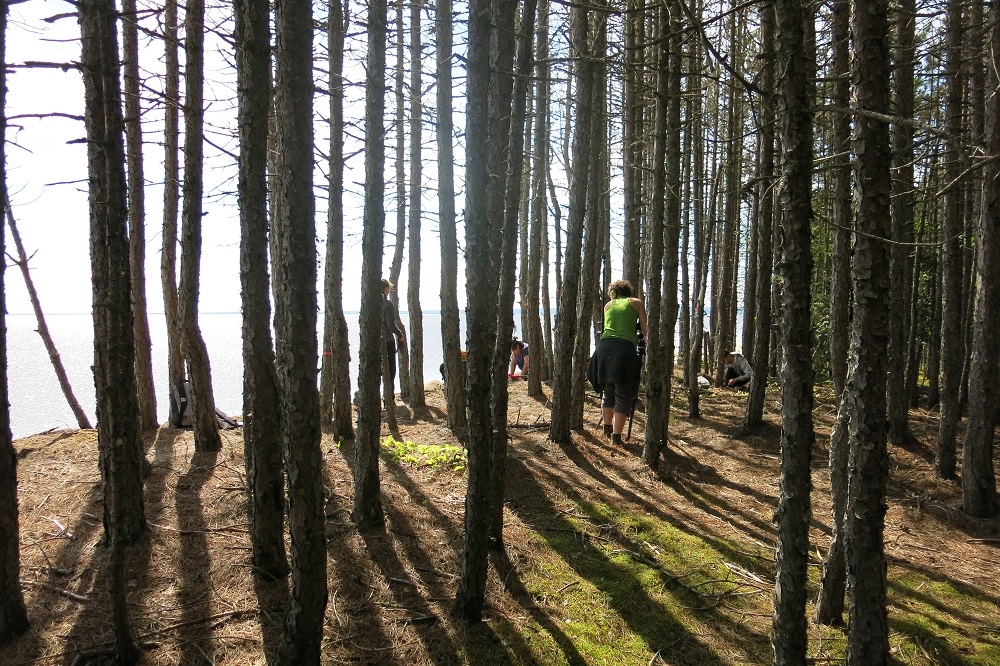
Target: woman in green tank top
x: 615, y: 367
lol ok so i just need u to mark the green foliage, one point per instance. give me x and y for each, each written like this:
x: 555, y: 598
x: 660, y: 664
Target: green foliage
x: 435, y: 456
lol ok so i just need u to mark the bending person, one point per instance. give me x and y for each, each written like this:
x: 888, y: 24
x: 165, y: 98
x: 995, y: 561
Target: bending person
x: 615, y: 368
x: 518, y: 358
x: 739, y: 372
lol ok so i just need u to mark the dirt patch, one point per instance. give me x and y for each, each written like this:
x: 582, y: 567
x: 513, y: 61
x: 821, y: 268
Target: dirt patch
x: 194, y: 599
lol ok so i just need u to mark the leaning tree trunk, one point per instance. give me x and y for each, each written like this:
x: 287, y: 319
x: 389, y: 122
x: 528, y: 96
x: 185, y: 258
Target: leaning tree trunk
x: 13, y: 616
x: 830, y: 604
x: 979, y: 493
x: 206, y: 429
x: 416, y: 316
x: 335, y: 376
x: 454, y: 370
x: 295, y: 321
x: 137, y: 218
x: 168, y: 254
x: 367, y: 498
x: 794, y: 511
x: 952, y: 336
x: 83, y: 422
x: 261, y: 419
x: 865, y: 395
x: 118, y: 436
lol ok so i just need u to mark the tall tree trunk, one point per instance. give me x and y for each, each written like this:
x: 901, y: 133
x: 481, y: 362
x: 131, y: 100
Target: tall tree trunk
x: 416, y: 391
x: 480, y: 317
x: 566, y: 315
x: 865, y: 395
x: 396, y: 267
x: 367, y: 494
x: 761, y: 322
x: 118, y: 436
x: 657, y: 381
x: 137, y: 218
x: 702, y: 232
x: 794, y: 511
x: 505, y: 320
x: 979, y: 493
x: 261, y: 420
x: 13, y: 616
x: 952, y: 337
x: 171, y: 190
x: 82, y: 420
x: 335, y: 375
x: 294, y: 267
x: 902, y: 223
x: 206, y: 430
x: 633, y: 141
x: 454, y: 370
x: 830, y: 605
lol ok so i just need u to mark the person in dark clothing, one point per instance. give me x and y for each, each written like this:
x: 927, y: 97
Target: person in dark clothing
x: 615, y: 368
x: 739, y: 372
x: 393, y: 334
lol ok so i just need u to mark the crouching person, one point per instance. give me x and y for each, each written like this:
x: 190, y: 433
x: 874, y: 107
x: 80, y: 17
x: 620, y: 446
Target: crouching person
x: 739, y: 372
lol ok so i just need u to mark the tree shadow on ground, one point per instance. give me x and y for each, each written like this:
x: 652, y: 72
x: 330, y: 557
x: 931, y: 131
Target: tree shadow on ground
x: 194, y: 594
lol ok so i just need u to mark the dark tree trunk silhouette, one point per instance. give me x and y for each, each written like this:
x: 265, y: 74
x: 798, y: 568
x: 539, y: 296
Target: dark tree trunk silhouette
x: 261, y: 419
x: 795, y: 268
x: 13, y: 616
x: 865, y: 394
x: 760, y: 349
x: 335, y: 375
x: 118, y: 437
x: 171, y: 189
x: 396, y: 266
x: 416, y: 316
x: 952, y: 336
x: 295, y: 306
x: 202, y: 400
x: 367, y: 497
x: 137, y: 218
x: 830, y: 604
x: 979, y: 493
x: 454, y: 370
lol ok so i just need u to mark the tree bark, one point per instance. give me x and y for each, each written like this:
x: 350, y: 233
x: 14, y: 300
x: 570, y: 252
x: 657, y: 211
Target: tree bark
x: 294, y: 266
x: 13, y: 615
x: 206, y: 430
x: 865, y: 395
x: 454, y: 369
x: 367, y: 497
x: 952, y: 337
x: 396, y: 266
x: 794, y: 511
x: 335, y: 375
x: 118, y: 436
x: 416, y: 389
x: 979, y: 492
x: 261, y: 418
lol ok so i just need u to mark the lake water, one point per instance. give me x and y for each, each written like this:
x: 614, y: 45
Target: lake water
x: 37, y: 403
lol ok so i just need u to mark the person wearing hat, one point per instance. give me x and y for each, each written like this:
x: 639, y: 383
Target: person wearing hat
x: 739, y: 372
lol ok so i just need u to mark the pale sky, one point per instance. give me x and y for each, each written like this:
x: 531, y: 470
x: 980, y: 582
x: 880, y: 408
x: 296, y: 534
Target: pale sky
x: 47, y: 176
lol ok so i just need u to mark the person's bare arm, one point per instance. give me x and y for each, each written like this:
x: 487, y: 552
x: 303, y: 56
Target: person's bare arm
x: 641, y: 309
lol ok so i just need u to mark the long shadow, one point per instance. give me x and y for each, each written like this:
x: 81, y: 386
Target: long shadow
x: 195, y: 565
x: 351, y: 597
x: 662, y: 632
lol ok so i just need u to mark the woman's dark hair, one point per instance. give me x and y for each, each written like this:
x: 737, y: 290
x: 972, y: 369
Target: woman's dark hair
x: 620, y: 289
x: 516, y: 344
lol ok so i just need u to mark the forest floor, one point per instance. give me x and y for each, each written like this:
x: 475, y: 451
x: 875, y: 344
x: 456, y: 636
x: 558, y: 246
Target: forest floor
x: 606, y: 562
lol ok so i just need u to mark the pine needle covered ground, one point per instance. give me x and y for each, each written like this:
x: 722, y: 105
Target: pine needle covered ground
x: 605, y: 562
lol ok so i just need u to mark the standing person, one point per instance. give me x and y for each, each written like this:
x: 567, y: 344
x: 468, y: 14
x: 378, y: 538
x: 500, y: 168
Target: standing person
x: 393, y: 333
x: 518, y: 358
x: 739, y: 372
x: 615, y: 368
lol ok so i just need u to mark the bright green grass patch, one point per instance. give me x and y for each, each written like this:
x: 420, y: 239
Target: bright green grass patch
x: 435, y: 456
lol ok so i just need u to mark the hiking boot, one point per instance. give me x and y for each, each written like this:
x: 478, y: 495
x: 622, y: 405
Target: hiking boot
x: 607, y: 431
x: 617, y: 440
